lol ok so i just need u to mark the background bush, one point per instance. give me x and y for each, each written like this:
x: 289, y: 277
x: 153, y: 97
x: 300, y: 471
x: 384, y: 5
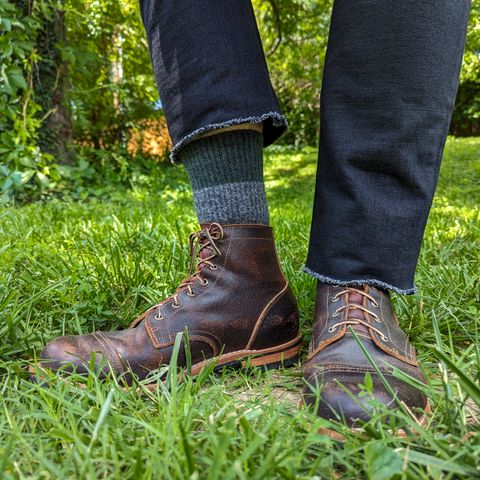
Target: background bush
x: 78, y: 102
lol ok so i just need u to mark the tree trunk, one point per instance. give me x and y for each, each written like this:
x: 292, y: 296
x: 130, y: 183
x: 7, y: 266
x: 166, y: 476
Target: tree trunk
x: 50, y: 85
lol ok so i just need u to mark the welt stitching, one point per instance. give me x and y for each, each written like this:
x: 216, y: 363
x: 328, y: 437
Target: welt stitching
x: 350, y: 369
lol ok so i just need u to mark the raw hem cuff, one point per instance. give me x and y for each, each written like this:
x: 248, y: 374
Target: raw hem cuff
x: 277, y: 120
x: 356, y: 283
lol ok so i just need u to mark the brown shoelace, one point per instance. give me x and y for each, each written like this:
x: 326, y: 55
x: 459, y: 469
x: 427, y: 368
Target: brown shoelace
x: 355, y: 306
x: 198, y: 241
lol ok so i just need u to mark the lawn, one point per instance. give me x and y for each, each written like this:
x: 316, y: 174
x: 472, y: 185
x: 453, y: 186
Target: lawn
x: 71, y: 266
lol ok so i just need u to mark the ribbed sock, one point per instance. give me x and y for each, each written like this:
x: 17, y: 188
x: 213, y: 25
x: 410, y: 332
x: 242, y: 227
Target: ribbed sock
x: 226, y: 173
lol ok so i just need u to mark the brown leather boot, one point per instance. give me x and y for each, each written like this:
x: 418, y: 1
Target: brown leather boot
x: 236, y: 304
x: 335, y: 359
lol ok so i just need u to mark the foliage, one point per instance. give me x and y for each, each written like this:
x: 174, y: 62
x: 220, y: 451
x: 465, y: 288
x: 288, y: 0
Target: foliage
x: 294, y: 34
x: 107, y: 90
x: 111, y: 86
x: 466, y: 116
x: 20, y: 157
x: 73, y: 267
x: 76, y: 86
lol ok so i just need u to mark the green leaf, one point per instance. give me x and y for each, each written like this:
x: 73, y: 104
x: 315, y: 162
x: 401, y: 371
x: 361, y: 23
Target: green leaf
x: 382, y: 463
x: 7, y: 184
x: 368, y: 382
x: 6, y: 24
x: 17, y: 178
x: 27, y: 162
x: 83, y: 164
x: 26, y: 176
x: 17, y: 79
x: 42, y: 180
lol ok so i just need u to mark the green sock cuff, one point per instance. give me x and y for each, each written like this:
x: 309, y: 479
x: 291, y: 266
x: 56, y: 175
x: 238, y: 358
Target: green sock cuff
x: 227, y: 157
x: 226, y: 173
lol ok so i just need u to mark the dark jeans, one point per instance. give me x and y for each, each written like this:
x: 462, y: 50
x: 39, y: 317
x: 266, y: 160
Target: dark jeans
x: 389, y: 85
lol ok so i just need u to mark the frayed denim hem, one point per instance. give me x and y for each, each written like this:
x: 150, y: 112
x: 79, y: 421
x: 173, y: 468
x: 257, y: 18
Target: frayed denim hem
x: 278, y: 120
x: 356, y: 283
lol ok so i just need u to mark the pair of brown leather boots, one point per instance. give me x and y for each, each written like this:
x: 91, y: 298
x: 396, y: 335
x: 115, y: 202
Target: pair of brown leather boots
x: 237, y: 308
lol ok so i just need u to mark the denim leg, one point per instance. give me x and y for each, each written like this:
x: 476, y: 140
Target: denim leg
x: 389, y: 86
x: 209, y: 67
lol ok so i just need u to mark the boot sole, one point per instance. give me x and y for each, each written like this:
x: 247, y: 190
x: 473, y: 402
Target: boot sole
x: 284, y: 355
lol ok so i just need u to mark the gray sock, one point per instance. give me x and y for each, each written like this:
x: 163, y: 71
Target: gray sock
x: 226, y: 173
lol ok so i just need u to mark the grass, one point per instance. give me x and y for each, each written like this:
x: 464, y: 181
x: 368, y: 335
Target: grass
x: 72, y: 267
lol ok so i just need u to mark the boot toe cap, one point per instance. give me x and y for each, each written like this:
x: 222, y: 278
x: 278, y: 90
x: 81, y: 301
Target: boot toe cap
x: 342, y: 397
x: 70, y: 353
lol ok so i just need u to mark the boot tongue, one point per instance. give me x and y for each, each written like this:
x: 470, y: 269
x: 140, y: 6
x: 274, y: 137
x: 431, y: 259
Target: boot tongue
x: 204, y: 253
x: 355, y: 298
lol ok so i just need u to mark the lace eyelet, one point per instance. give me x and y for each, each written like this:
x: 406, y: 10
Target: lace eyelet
x: 204, y: 283
x: 336, y: 314
x: 157, y: 317
x: 175, y: 305
x: 190, y: 294
x: 335, y: 299
x: 213, y: 267
x: 332, y: 328
x: 384, y: 338
x: 374, y: 304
